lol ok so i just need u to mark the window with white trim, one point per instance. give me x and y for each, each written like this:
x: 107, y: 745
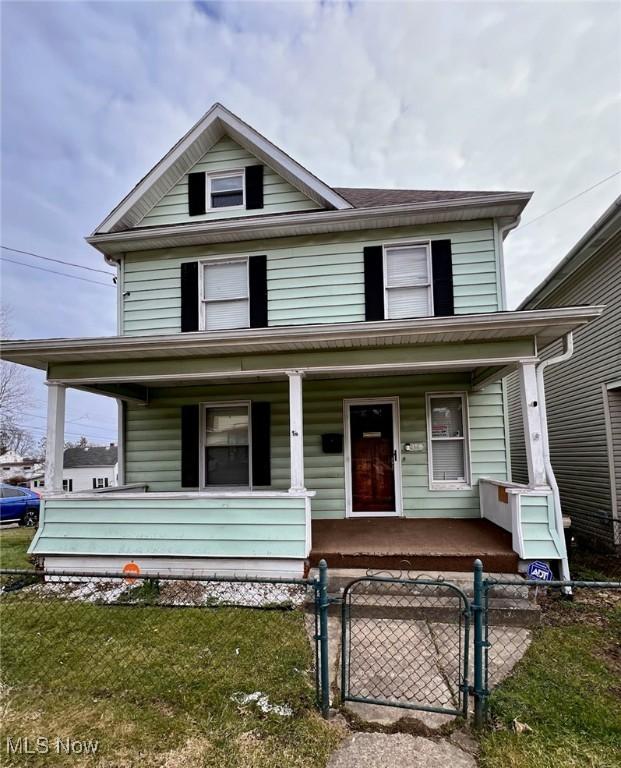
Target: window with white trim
x: 225, y: 300
x: 68, y: 485
x: 100, y: 482
x: 448, y: 441
x: 225, y: 190
x: 407, y: 281
x: 226, y: 445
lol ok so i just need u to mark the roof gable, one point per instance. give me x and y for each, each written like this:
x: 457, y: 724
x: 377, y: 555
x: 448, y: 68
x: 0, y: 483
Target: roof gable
x: 227, y: 155
x: 189, y: 150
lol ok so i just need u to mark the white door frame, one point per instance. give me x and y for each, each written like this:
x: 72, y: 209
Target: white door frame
x: 396, y: 439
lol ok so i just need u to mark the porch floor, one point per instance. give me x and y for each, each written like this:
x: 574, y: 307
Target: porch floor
x: 423, y: 543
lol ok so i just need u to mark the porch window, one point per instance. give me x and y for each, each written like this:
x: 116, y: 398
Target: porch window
x: 225, y: 190
x: 407, y: 281
x: 448, y: 443
x: 225, y: 295
x: 226, y: 441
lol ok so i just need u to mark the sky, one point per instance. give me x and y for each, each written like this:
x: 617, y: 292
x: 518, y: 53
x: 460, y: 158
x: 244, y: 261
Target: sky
x: 471, y: 95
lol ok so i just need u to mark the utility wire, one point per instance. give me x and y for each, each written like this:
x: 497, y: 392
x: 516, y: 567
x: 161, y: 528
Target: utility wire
x: 56, y: 272
x: 571, y: 199
x: 30, y: 415
x: 58, y: 261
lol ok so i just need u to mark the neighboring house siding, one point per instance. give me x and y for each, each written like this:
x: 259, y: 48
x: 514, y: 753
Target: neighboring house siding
x: 310, y: 279
x: 279, y: 195
x: 83, y: 476
x: 576, y: 399
x: 153, y: 438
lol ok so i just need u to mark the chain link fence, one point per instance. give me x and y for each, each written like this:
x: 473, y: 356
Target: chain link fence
x: 152, y: 637
x: 405, y: 643
x: 557, y: 605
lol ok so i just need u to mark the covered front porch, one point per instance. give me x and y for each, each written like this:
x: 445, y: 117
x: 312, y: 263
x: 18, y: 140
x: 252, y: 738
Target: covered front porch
x: 384, y: 441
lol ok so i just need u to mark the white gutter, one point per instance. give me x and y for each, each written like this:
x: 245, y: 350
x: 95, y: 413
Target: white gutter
x: 541, y: 368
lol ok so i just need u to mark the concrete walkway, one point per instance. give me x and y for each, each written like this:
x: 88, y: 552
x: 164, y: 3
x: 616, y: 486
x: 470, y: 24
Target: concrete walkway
x: 399, y: 750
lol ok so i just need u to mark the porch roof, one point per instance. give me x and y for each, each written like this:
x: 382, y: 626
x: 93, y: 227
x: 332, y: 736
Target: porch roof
x: 543, y: 326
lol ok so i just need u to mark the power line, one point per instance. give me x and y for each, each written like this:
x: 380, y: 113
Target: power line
x: 43, y: 432
x: 58, y: 261
x: 30, y: 415
x: 56, y: 272
x: 570, y: 200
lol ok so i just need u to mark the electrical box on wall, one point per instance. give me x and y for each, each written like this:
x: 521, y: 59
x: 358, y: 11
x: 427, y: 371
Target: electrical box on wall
x: 332, y: 442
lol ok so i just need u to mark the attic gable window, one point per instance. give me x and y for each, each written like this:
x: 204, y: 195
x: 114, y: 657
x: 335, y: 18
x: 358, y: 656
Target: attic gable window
x: 226, y: 189
x: 407, y: 281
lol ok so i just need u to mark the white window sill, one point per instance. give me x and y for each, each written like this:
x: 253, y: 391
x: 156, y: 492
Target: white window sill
x: 456, y: 486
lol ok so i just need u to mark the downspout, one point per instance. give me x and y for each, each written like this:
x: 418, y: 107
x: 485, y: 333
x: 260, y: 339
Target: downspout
x: 568, y: 343
x: 503, y: 231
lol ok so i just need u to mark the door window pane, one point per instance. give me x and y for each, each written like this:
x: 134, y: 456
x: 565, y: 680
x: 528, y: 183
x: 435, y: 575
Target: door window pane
x: 227, y: 446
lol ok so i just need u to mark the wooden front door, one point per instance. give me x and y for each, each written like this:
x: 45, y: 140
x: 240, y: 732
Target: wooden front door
x: 372, y: 451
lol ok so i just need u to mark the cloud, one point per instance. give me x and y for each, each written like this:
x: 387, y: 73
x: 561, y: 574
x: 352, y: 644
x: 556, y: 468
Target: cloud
x: 423, y: 95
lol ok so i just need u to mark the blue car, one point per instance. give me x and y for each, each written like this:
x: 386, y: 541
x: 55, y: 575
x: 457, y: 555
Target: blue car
x: 19, y: 505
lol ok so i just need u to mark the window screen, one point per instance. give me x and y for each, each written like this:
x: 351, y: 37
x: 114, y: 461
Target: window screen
x: 408, y: 282
x: 449, y: 462
x: 225, y: 295
x: 227, y: 446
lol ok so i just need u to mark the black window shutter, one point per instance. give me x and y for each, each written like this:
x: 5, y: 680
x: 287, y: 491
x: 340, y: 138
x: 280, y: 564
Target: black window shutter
x: 189, y: 446
x: 189, y: 296
x: 374, y: 282
x: 196, y: 194
x: 442, y: 269
x: 254, y: 186
x: 261, y: 450
x: 257, y: 274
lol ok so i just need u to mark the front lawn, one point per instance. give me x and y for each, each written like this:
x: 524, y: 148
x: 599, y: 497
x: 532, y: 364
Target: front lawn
x: 566, y: 688
x: 160, y: 686
x: 13, y: 545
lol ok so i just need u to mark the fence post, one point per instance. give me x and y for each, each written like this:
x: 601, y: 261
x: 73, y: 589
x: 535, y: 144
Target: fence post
x: 323, y: 638
x: 479, y: 644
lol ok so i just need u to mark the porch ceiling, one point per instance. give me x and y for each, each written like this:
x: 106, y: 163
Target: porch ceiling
x: 542, y: 326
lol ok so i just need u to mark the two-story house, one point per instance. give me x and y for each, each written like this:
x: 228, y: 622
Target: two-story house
x: 303, y: 371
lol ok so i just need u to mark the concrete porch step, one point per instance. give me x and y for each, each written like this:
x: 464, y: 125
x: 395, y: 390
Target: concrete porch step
x: 508, y: 606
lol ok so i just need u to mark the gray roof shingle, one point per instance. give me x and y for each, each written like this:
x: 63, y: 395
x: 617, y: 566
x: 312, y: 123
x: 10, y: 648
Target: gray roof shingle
x: 365, y: 197
x: 91, y: 456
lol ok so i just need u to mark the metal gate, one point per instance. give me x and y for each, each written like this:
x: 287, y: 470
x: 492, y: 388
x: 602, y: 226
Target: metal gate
x: 405, y: 643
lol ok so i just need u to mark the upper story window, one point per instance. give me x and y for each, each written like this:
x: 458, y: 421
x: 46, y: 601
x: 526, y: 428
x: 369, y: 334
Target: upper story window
x: 407, y: 281
x: 225, y: 302
x: 226, y: 189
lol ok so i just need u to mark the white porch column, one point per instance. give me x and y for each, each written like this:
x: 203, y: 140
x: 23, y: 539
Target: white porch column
x: 55, y: 444
x: 296, y: 430
x: 533, y: 438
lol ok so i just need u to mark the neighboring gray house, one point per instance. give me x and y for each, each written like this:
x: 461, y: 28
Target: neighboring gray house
x: 584, y: 393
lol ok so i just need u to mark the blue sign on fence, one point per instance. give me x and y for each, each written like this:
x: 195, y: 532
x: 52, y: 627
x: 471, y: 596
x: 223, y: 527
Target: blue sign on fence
x: 540, y: 571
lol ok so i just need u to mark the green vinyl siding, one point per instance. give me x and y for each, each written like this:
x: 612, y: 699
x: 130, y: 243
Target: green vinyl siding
x: 206, y: 527
x: 317, y: 279
x: 153, y: 437
x: 538, y: 527
x: 279, y: 196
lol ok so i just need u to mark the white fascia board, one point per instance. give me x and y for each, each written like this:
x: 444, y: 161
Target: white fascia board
x: 199, y: 343
x: 309, y: 222
x: 253, y: 140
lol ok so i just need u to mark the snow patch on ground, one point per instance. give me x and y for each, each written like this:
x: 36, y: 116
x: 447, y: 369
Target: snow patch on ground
x: 173, y: 592
x: 262, y: 702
